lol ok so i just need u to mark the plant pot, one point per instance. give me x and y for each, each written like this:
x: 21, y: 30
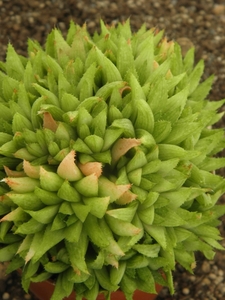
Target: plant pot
x: 44, y: 290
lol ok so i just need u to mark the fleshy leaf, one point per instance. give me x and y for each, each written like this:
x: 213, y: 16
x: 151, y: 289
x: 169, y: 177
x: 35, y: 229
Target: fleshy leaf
x: 121, y: 147
x: 109, y: 188
x: 69, y: 193
x: 98, y: 205
x: 91, y: 181
x: 67, y: 169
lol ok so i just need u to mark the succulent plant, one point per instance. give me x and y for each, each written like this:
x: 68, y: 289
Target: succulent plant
x: 107, y: 161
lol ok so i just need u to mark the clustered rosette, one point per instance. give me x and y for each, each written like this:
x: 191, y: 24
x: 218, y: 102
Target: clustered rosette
x: 106, y: 152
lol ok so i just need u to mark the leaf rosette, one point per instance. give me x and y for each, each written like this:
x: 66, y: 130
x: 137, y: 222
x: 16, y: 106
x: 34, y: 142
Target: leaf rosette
x: 107, y: 161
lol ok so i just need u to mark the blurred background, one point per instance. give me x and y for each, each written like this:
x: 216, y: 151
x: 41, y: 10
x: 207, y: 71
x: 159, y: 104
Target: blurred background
x: 191, y: 23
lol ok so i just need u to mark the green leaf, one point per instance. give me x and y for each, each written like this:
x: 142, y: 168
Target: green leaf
x: 68, y: 193
x: 203, y: 89
x: 147, y: 250
x: 116, y: 274
x: 147, y: 215
x: 94, y: 142
x: 125, y: 214
x: 167, y: 151
x: 125, y: 58
x: 60, y: 290
x: 161, y: 130
x: 144, y: 116
x: 128, y: 285
x: 20, y: 122
x: 47, y: 197
x: 27, y: 201
x: 55, y: 267
x: 49, y: 96
x: 45, y: 241
x: 14, y: 66
x: 9, y: 251
x: 177, y: 198
x: 113, y: 246
x: 97, y: 205
x: 5, y: 112
x: 91, y: 181
x: 30, y: 227
x: 16, y: 215
x: 169, y: 216
x: 94, y: 231
x: 104, y: 280
x: 98, y: 261
x: 185, y: 258
x: 135, y: 176
x: 196, y: 75
x: 122, y: 228
x: 41, y: 277
x: 137, y: 261
x: 86, y: 85
x: 68, y: 102
x: 181, y: 131
x: 72, y: 232
x: 106, y: 90
x: 77, y: 252
x: 146, y: 280
x: 138, y: 160
x: 24, y: 101
x: 110, y: 71
x: 50, y: 181
x: 55, y: 111
x: 173, y: 106
x: 158, y: 233
x: 212, y: 242
x: 44, y: 215
x: 110, y: 136
x: 144, y: 61
x: 80, y: 210
x: 158, y: 94
x: 126, y: 125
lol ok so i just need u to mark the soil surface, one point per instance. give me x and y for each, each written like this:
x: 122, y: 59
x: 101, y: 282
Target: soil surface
x: 200, y: 23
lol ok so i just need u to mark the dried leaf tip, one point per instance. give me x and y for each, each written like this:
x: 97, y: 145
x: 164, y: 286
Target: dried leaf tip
x: 91, y: 168
x: 49, y: 122
x: 31, y: 171
x: 12, y: 173
x: 122, y: 146
x: 67, y: 169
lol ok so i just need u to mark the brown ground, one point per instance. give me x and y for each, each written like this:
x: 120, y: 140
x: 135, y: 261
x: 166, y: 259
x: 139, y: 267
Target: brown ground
x: 201, y: 23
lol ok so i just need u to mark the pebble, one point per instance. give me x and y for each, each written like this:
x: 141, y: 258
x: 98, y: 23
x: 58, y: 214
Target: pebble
x: 212, y: 276
x: 185, y: 44
x: 186, y: 291
x: 5, y: 296
x: 3, y: 267
x: 205, y: 282
x: 2, y: 285
x: 219, y: 9
x: 206, y: 267
x: 218, y: 280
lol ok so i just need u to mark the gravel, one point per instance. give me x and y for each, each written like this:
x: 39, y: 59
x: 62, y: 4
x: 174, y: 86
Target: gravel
x: 200, y: 23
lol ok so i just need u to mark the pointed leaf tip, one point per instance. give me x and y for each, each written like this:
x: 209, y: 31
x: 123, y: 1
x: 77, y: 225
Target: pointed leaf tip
x: 49, y: 122
x: 122, y: 146
x: 67, y: 169
x: 91, y: 168
x: 31, y: 171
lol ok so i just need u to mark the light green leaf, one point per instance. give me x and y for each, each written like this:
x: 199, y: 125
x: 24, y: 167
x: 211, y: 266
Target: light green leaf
x: 158, y: 233
x: 147, y: 250
x: 14, y: 66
